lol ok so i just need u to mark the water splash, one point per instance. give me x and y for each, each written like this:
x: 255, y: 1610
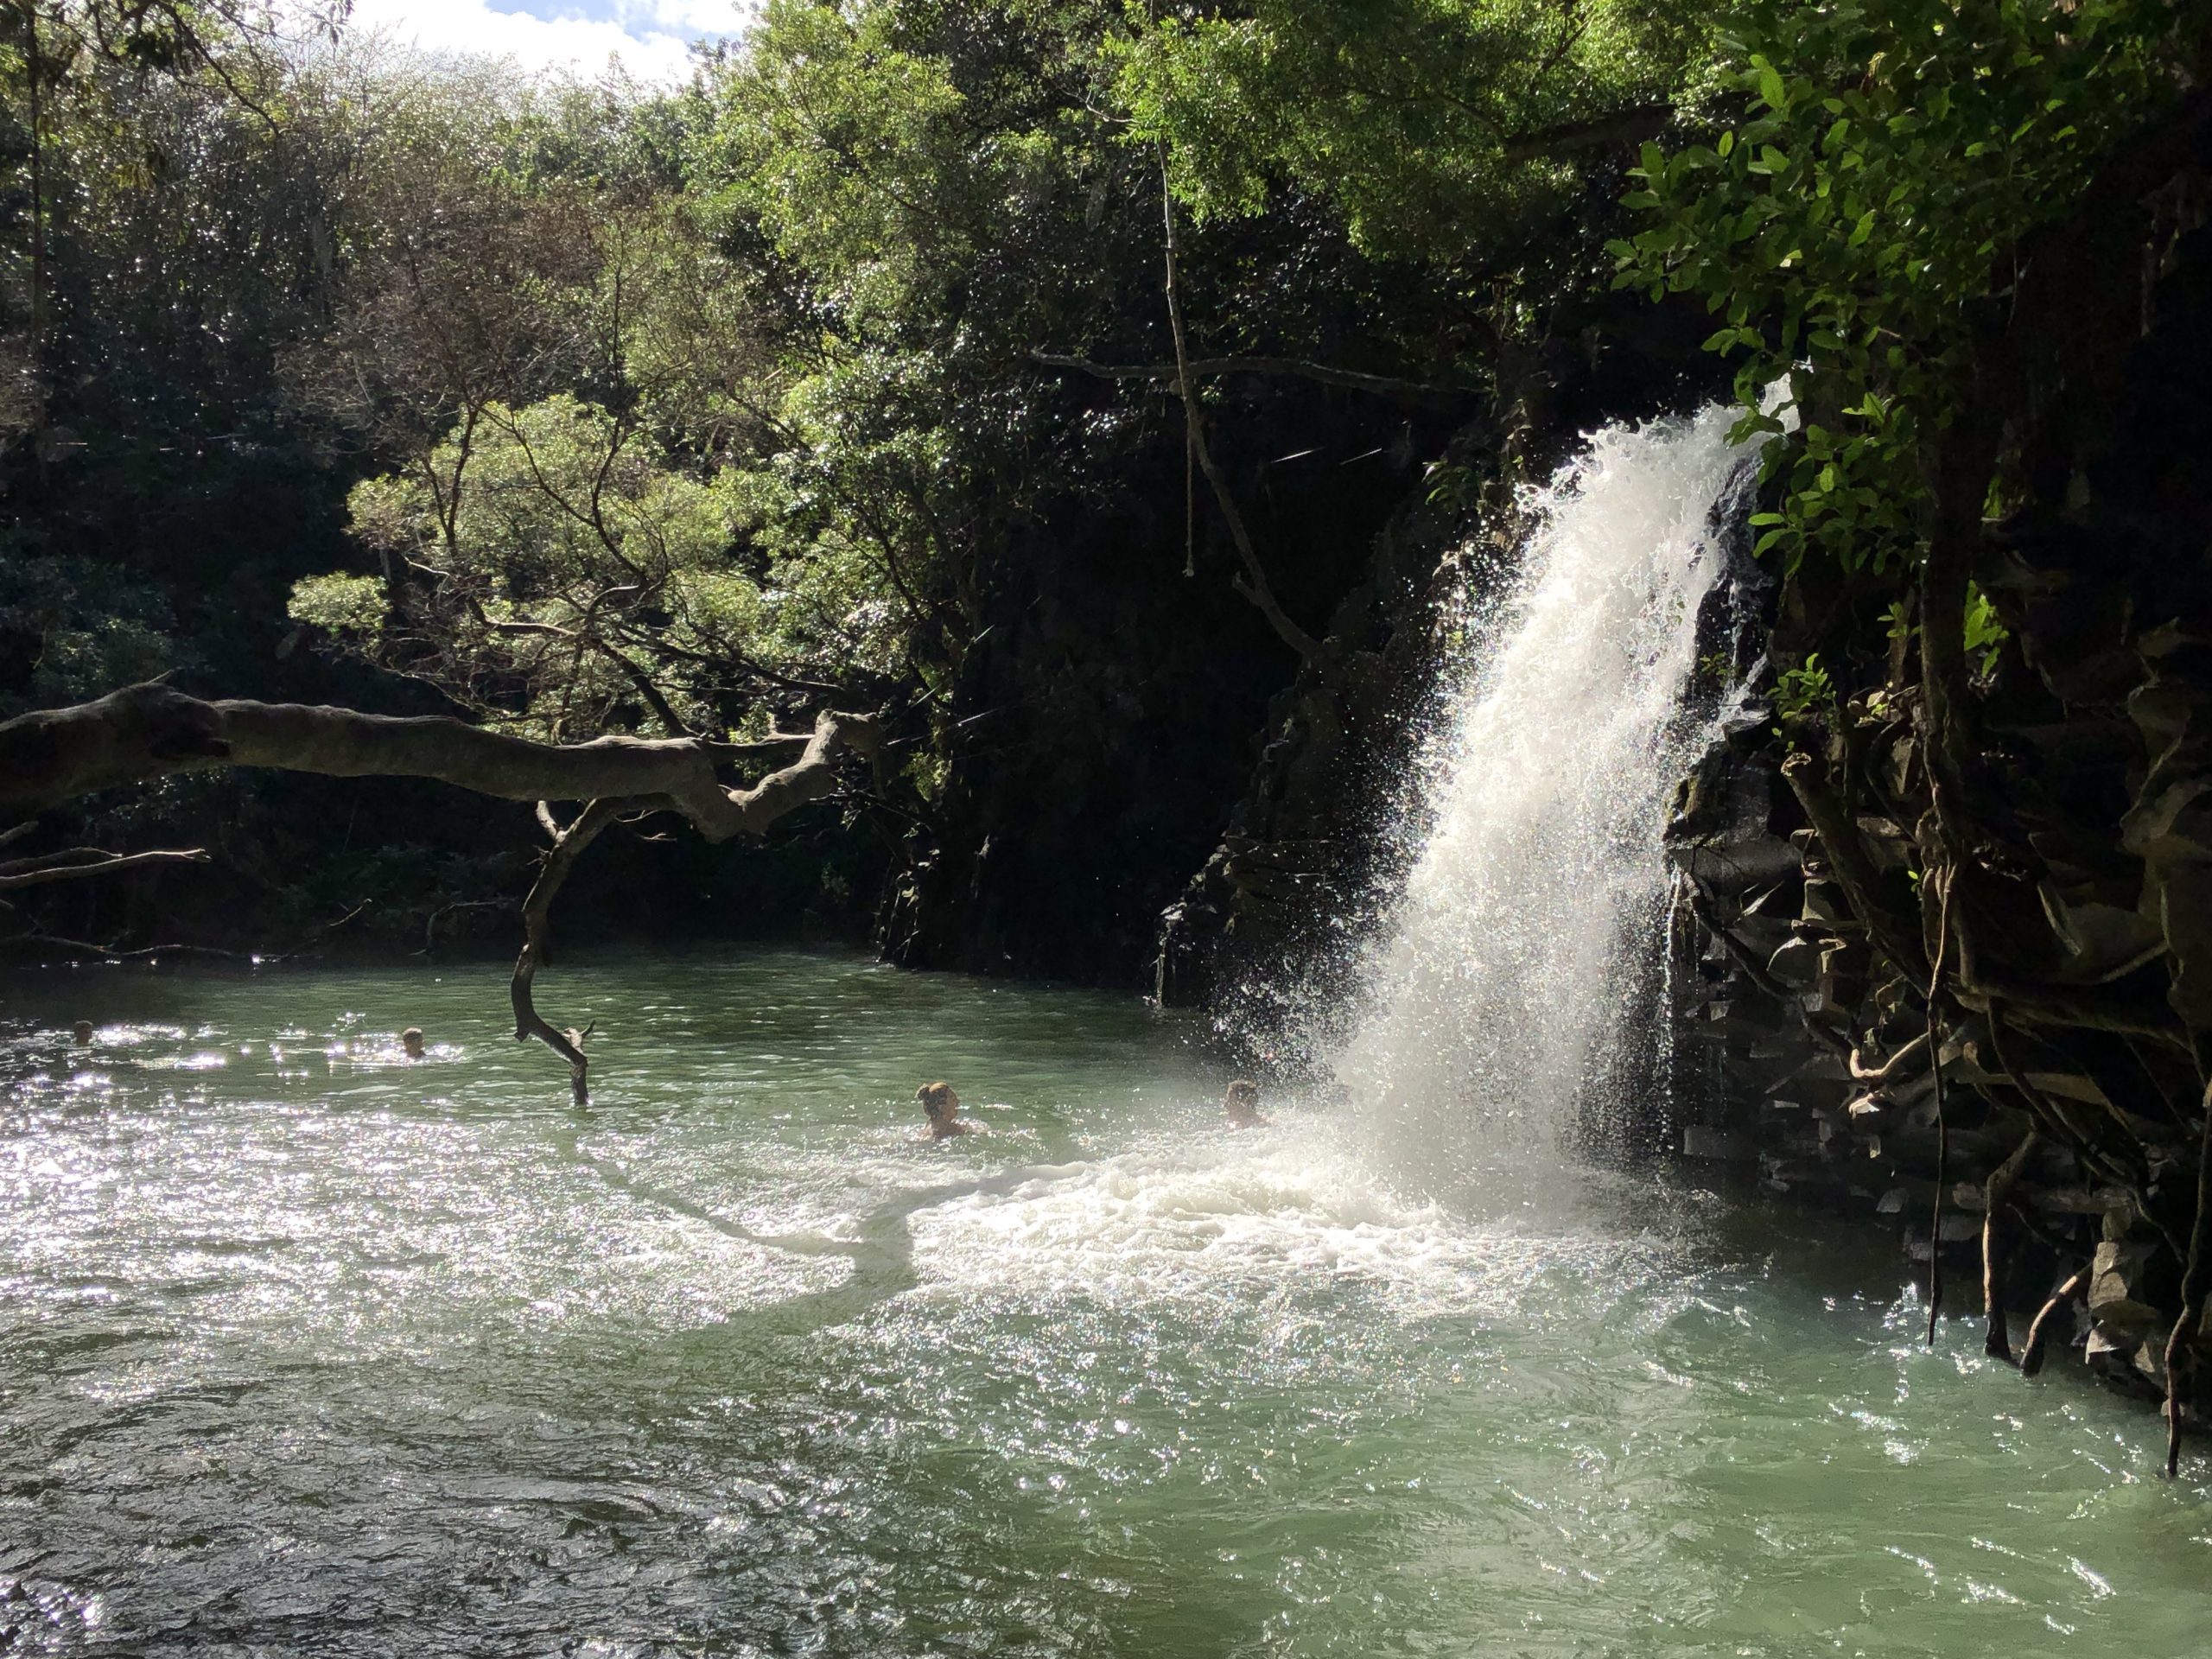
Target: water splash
x: 1494, y: 1018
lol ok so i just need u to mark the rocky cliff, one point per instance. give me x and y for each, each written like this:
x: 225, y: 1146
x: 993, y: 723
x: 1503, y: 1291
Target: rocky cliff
x: 2041, y: 1138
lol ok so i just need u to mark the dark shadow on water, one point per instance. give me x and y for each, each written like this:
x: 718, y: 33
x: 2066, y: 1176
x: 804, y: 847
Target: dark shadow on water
x: 881, y: 1250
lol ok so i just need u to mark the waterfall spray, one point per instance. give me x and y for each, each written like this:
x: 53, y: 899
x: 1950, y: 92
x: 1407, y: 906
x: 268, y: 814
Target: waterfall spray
x: 1495, y: 1001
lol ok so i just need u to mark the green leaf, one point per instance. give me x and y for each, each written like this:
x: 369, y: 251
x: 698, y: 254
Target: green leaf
x: 1772, y: 90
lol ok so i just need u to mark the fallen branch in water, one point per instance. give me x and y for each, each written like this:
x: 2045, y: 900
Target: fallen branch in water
x: 150, y: 731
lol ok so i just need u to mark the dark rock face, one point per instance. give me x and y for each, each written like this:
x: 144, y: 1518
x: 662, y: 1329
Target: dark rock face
x: 2073, y: 1052
x: 1315, y: 845
x: 1303, y: 858
x: 1101, y: 724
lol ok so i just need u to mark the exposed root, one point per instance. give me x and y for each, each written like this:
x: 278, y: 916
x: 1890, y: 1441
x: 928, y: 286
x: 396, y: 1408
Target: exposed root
x: 2178, y: 1358
x: 1998, y: 1343
x: 1888, y: 1071
x: 1942, y: 1125
x: 2039, y: 1332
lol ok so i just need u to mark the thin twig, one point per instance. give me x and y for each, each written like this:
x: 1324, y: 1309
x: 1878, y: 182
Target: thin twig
x: 1252, y: 584
x: 1168, y: 373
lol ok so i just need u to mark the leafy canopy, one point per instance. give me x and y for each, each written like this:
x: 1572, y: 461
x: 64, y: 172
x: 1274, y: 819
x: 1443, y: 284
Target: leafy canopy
x: 1423, y: 121
x: 1859, y: 231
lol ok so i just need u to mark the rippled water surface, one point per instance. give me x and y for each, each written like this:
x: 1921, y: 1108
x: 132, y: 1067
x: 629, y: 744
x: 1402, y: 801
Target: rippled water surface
x: 304, y: 1349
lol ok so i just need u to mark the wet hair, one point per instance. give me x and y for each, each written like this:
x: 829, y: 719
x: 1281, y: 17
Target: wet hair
x: 1242, y: 1092
x: 413, y: 1033
x: 936, y: 1098
x: 82, y: 1030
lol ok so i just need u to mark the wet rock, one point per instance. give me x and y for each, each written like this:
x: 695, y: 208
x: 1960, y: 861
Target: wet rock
x: 2117, y: 1293
x: 1714, y: 1145
x: 1797, y: 962
x: 1871, y: 1113
x: 2111, y: 1357
x: 1717, y: 824
x: 2105, y: 941
x: 1824, y: 904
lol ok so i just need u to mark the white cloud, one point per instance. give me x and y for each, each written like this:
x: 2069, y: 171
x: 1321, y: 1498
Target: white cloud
x: 651, y: 37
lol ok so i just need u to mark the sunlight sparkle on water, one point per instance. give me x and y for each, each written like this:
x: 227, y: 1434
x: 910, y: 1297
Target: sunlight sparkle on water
x: 413, y: 1359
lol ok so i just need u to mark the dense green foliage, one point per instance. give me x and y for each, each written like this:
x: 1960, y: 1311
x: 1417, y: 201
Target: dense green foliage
x: 583, y: 409
x: 1862, y: 229
x: 1448, y: 129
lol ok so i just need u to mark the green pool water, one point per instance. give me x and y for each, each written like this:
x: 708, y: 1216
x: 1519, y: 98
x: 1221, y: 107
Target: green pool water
x: 304, y: 1349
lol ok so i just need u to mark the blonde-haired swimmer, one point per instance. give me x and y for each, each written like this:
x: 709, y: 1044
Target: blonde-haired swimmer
x: 942, y: 1107
x: 411, y: 1042
x: 1241, y: 1106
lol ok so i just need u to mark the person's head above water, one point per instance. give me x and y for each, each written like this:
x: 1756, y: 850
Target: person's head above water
x: 942, y: 1107
x: 411, y: 1040
x: 1241, y: 1104
x: 83, y: 1032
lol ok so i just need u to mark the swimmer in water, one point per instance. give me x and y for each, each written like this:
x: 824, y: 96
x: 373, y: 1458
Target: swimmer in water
x: 411, y: 1040
x: 1241, y: 1106
x: 83, y: 1032
x: 942, y: 1107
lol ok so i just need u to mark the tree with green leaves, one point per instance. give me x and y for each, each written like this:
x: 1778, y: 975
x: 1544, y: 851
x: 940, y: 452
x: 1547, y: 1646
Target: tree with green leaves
x: 1892, y: 238
x: 1932, y: 236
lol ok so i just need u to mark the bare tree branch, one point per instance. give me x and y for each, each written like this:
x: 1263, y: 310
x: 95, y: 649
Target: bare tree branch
x: 1252, y: 584
x: 538, y: 934
x: 153, y: 731
x: 1168, y: 373
x: 89, y: 860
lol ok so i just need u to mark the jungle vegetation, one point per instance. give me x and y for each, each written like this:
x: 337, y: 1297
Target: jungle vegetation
x: 664, y: 436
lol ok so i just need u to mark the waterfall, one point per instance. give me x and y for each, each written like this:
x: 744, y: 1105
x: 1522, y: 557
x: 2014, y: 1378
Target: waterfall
x: 1495, y: 1001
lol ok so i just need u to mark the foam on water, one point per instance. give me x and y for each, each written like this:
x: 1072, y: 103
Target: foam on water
x: 1182, y: 1214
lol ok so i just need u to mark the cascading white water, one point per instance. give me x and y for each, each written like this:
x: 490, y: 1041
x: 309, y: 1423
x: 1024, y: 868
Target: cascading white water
x: 1494, y: 1003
